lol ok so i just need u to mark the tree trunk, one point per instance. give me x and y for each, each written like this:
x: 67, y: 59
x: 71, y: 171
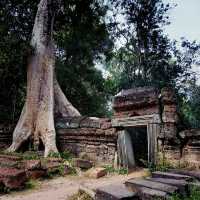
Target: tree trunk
x: 44, y: 95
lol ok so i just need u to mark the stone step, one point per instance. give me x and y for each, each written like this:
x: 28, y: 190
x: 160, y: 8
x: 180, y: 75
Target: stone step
x: 171, y: 176
x: 136, y: 184
x: 194, y: 174
x: 182, y: 185
x: 115, y: 192
x: 150, y: 194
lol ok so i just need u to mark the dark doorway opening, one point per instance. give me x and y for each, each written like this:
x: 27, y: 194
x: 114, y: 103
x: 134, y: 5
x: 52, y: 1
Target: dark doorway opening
x: 139, y: 141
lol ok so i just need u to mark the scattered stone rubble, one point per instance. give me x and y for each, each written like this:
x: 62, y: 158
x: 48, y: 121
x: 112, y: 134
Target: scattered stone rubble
x: 14, y: 171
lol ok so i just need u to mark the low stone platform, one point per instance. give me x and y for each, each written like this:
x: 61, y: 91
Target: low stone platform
x: 161, y: 185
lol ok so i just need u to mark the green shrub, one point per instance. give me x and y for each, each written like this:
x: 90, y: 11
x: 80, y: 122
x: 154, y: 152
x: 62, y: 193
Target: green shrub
x: 31, y: 184
x: 30, y: 156
x: 194, y: 194
x: 111, y: 170
x: 66, y: 155
x: 54, y: 155
x: 80, y: 196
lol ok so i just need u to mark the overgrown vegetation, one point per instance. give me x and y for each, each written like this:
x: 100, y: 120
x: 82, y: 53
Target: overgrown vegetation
x: 32, y: 184
x: 194, y: 195
x: 162, y: 164
x: 81, y: 195
x: 111, y: 170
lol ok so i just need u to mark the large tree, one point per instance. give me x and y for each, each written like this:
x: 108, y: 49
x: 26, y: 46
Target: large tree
x: 44, y: 95
x: 81, y: 36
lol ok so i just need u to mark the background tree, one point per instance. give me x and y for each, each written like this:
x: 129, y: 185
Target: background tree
x: 145, y: 58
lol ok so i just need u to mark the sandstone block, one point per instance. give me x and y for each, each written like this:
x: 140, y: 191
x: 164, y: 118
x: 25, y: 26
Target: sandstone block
x: 96, y: 172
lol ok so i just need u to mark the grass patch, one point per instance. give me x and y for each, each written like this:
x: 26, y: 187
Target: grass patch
x: 66, y: 155
x: 30, y: 156
x: 32, y: 184
x: 80, y: 196
x: 111, y: 170
x: 194, y: 195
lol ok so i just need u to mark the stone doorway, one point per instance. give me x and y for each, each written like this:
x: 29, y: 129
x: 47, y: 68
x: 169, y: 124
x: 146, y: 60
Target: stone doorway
x: 125, y: 147
x: 139, y: 142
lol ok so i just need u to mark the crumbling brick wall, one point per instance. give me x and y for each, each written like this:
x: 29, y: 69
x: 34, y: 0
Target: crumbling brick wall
x: 83, y: 136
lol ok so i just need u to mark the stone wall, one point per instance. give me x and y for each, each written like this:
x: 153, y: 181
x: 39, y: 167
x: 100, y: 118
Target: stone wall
x: 91, y: 137
x: 82, y: 136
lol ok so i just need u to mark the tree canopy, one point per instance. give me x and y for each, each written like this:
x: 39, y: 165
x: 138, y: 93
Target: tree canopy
x: 127, y: 36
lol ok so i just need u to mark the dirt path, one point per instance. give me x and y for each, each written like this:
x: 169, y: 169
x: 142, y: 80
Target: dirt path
x: 62, y: 187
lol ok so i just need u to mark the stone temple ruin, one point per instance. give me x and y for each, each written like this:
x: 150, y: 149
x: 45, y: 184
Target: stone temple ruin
x: 144, y: 128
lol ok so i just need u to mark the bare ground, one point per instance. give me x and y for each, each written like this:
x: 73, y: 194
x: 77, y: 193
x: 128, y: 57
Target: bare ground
x: 61, y: 188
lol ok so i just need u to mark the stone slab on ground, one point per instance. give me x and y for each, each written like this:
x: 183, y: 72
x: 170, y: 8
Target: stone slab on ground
x: 171, y: 176
x: 97, y: 172
x: 150, y: 194
x: 182, y: 185
x: 136, y: 184
x: 12, y: 178
x: 115, y: 192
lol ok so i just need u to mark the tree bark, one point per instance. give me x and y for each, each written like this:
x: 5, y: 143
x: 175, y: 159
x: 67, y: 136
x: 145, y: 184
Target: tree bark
x: 44, y: 95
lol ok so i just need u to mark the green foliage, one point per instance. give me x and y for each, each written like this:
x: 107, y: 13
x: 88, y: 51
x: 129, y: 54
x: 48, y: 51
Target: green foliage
x: 81, y: 41
x: 163, y: 167
x: 145, y: 59
x: 194, y: 195
x: 15, y: 32
x: 30, y: 156
x: 162, y: 164
x: 111, y: 170
x: 81, y: 195
x: 66, y: 155
x: 54, y: 155
x: 31, y: 184
x: 190, y: 105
